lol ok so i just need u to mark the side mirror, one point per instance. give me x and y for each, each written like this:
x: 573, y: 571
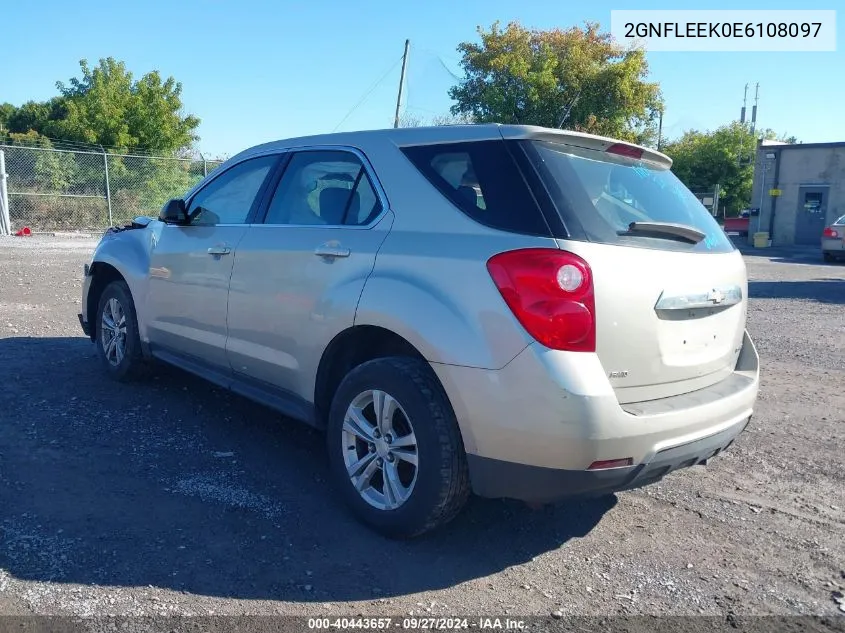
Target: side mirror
x: 174, y: 212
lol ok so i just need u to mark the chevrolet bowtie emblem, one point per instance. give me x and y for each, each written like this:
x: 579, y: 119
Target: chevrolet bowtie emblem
x: 715, y: 296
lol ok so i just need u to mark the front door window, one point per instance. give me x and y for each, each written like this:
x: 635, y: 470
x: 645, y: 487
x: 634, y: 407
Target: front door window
x: 229, y: 198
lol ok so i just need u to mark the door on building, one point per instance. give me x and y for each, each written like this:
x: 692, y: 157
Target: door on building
x: 811, y: 215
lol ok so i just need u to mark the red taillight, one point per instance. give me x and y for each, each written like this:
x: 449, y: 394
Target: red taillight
x: 623, y: 149
x: 550, y: 292
x: 830, y: 232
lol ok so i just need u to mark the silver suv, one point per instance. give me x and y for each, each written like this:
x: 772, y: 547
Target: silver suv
x: 507, y: 310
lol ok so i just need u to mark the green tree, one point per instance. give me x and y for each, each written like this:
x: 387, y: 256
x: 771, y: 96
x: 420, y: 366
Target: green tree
x: 42, y: 171
x: 704, y: 159
x: 106, y: 106
x: 413, y: 120
x: 31, y: 138
x: 35, y: 116
x: 452, y: 119
x: 577, y: 78
x: 6, y: 112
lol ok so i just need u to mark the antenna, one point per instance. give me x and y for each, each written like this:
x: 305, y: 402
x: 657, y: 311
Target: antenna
x: 744, y: 102
x: 569, y: 108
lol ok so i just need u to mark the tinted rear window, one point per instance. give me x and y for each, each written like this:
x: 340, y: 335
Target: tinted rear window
x: 599, y: 195
x: 481, y: 179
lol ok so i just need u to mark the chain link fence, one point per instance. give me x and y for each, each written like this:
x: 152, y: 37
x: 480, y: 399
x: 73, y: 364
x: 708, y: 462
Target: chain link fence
x: 709, y: 197
x: 56, y: 189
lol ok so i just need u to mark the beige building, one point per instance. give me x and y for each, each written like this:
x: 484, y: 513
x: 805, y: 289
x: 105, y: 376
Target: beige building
x: 799, y: 189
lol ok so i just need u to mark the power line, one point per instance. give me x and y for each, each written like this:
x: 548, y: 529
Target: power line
x: 419, y: 109
x: 92, y: 148
x: 446, y: 68
x: 79, y: 146
x: 442, y: 58
x: 441, y: 61
x: 438, y: 63
x: 369, y: 92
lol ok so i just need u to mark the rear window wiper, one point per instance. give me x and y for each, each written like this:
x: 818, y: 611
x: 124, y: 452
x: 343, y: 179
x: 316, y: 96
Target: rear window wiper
x: 665, y: 229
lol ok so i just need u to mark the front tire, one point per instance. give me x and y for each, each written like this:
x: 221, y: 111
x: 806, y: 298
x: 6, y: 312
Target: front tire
x: 402, y: 471
x: 118, y: 341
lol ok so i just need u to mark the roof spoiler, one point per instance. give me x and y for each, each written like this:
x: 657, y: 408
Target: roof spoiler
x: 588, y: 141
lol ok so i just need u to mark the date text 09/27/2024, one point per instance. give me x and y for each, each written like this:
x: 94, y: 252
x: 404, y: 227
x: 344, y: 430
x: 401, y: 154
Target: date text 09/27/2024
x: 412, y: 623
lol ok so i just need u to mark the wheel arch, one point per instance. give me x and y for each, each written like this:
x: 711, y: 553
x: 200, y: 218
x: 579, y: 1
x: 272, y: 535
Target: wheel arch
x: 348, y: 349
x: 102, y: 274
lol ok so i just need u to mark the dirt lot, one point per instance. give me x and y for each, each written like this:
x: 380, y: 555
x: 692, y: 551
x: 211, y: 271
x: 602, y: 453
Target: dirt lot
x: 172, y: 497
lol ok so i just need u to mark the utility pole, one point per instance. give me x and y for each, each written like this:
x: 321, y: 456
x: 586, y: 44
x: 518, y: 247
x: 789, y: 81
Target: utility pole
x: 740, y: 156
x: 716, y: 200
x: 401, y: 83
x: 754, y: 109
x: 660, y: 131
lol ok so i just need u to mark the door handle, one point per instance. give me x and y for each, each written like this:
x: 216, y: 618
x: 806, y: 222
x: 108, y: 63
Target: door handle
x: 331, y: 251
x: 219, y: 250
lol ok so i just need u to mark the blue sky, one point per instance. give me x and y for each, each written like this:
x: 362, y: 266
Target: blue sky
x: 256, y: 70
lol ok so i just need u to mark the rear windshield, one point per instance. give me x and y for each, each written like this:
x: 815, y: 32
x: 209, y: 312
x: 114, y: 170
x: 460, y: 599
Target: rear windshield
x: 599, y: 195
x: 840, y: 220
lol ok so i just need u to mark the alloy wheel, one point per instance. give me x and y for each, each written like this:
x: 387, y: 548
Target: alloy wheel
x: 113, y: 332
x: 380, y: 450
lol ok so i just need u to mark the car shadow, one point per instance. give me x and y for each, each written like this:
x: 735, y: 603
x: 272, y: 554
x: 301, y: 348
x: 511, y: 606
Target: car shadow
x: 821, y: 290
x: 805, y: 260
x: 801, y: 255
x: 175, y: 484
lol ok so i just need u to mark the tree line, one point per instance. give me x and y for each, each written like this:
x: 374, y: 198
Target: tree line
x: 577, y: 78
x: 107, y: 106
x: 104, y: 108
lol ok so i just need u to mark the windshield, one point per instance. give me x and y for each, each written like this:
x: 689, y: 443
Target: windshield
x: 840, y: 220
x: 605, y: 193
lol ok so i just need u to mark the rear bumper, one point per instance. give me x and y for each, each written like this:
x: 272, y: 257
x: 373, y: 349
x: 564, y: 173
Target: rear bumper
x: 494, y: 478
x: 834, y: 246
x: 533, y: 428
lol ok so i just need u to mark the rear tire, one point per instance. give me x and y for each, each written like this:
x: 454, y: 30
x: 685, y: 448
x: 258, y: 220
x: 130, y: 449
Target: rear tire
x: 397, y: 498
x: 118, y: 342
x: 829, y: 257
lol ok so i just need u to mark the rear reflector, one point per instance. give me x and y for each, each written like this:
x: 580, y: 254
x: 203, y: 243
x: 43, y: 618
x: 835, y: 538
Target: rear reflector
x: 622, y: 149
x: 612, y: 463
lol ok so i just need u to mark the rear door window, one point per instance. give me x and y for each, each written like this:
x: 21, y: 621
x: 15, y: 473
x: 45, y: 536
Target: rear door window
x: 482, y: 180
x: 324, y: 187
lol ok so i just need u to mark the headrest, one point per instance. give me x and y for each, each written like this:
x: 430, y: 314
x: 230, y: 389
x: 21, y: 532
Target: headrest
x: 333, y: 202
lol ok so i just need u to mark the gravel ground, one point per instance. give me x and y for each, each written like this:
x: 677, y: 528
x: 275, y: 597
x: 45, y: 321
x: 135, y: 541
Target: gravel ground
x: 173, y: 497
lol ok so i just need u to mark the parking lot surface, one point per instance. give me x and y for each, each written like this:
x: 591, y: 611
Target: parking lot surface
x: 174, y: 497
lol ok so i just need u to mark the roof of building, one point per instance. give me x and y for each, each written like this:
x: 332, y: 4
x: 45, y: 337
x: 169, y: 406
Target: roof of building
x: 783, y: 146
